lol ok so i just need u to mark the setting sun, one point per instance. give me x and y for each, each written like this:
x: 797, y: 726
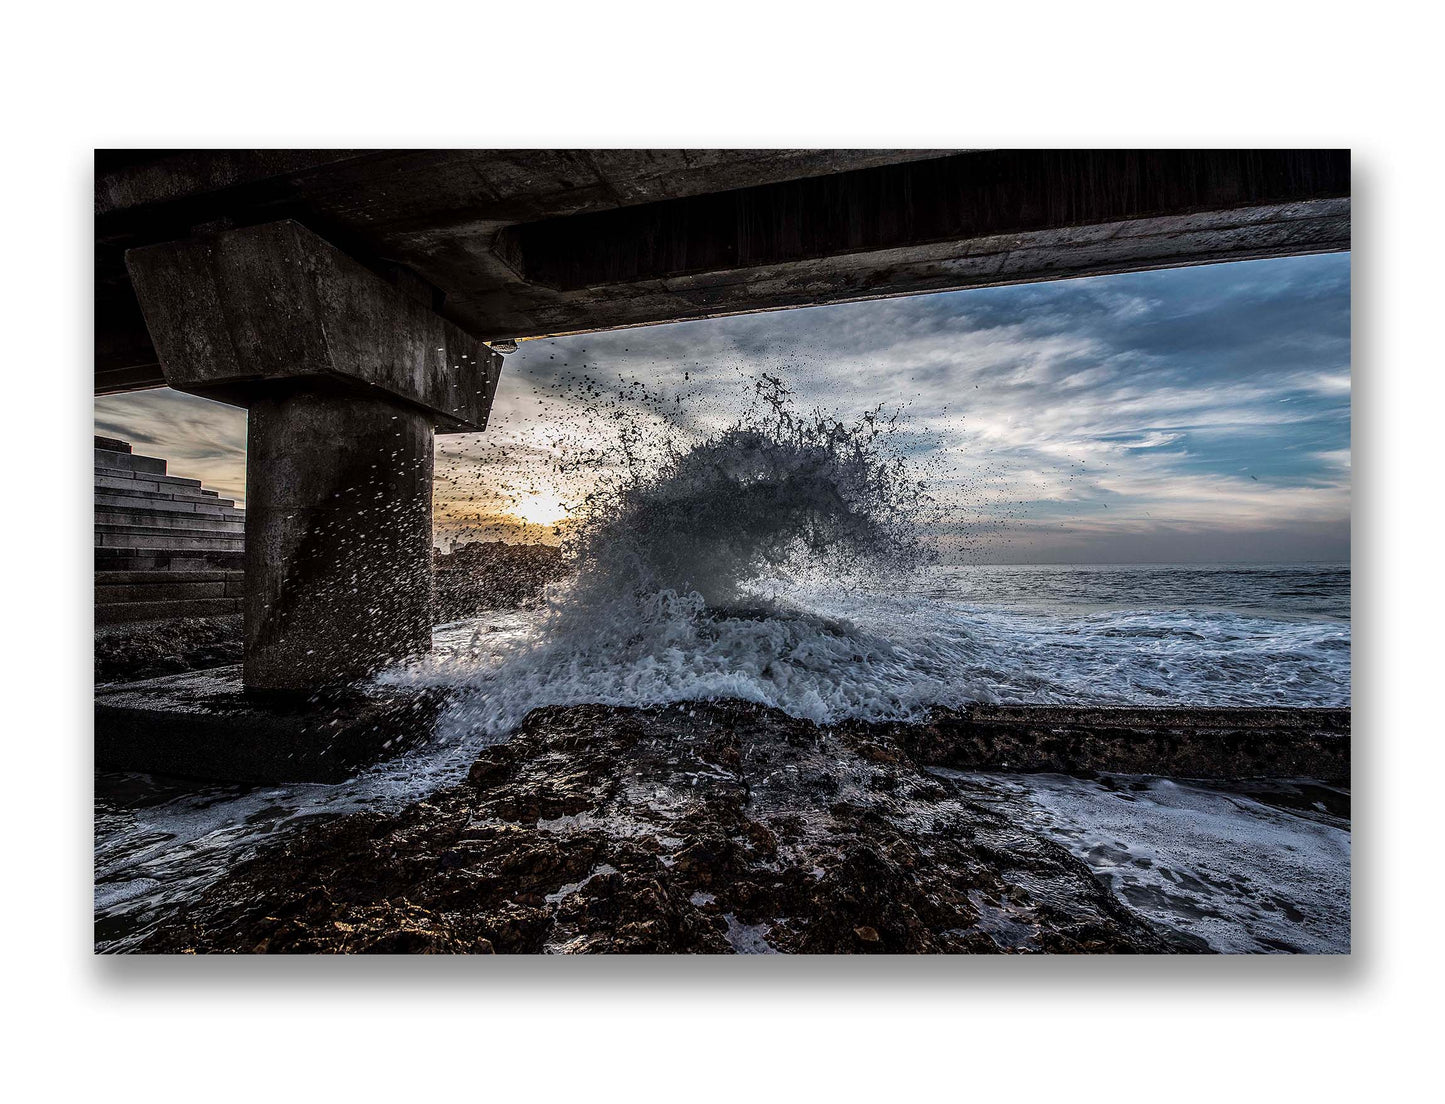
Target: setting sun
x: 540, y: 509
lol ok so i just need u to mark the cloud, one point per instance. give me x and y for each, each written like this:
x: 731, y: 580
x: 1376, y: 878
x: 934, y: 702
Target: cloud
x: 198, y: 438
x: 1177, y: 413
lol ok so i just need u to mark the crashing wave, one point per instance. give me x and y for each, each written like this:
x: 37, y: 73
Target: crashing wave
x: 683, y: 563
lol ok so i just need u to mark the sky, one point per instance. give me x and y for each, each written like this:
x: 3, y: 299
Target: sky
x: 1189, y: 415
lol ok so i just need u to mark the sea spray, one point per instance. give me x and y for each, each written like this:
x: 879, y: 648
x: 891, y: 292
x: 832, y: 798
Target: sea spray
x: 786, y: 559
x: 777, y: 494
x: 684, y: 557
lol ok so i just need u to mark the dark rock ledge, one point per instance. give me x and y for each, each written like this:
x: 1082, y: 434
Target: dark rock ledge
x: 1179, y: 742
x: 701, y: 828
x: 148, y: 649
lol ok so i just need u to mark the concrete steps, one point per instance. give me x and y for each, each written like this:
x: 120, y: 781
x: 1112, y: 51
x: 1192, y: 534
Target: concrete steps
x: 111, y: 496
x: 140, y: 577
x: 113, y: 479
x: 114, y: 461
x: 160, y: 517
x: 165, y: 546
x: 167, y: 586
x: 143, y: 536
x: 168, y: 559
x: 113, y: 613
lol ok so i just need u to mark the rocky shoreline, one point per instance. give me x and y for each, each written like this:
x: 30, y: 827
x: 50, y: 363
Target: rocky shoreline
x: 701, y: 828
x: 1179, y: 741
x: 129, y: 652
x: 485, y: 575
x: 474, y: 577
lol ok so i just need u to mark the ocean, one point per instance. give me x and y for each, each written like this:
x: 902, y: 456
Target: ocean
x: 1164, y: 634
x: 887, y: 648
x: 894, y: 646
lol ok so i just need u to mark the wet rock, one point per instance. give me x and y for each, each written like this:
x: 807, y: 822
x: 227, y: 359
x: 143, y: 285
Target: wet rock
x: 725, y: 828
x: 485, y: 575
x: 149, y: 649
x: 1220, y: 743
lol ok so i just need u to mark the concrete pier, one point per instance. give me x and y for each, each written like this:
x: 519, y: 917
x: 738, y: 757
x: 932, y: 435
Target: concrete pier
x: 521, y: 243
x: 346, y: 376
x: 338, y: 538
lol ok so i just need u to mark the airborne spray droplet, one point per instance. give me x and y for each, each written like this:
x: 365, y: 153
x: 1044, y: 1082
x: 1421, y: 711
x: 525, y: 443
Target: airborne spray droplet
x: 685, y: 555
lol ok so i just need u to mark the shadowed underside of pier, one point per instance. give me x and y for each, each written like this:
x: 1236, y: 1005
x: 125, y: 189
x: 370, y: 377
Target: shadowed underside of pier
x: 515, y: 244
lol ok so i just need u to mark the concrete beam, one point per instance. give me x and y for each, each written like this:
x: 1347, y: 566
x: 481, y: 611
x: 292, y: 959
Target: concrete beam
x: 275, y: 304
x: 526, y: 243
x: 952, y: 201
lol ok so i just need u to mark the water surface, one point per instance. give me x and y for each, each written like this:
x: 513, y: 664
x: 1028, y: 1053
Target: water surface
x: 1159, y: 635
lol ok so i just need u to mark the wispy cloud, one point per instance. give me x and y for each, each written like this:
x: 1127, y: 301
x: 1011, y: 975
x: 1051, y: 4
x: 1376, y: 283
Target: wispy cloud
x: 198, y: 438
x: 1187, y: 414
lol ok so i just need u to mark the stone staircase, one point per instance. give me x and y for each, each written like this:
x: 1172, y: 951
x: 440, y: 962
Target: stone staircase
x: 164, y: 546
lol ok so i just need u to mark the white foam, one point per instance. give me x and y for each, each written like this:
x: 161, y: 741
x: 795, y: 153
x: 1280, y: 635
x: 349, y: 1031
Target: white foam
x: 748, y: 939
x: 830, y: 656
x: 779, y: 562
x: 1244, y: 876
x: 784, y: 562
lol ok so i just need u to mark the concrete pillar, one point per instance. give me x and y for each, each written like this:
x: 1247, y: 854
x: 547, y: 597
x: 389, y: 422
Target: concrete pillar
x: 346, y: 375
x: 338, y: 538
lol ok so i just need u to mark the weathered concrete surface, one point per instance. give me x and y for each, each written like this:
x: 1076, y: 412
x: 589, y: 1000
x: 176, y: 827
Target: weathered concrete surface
x: 168, y: 559
x: 203, y: 724
x: 523, y: 243
x: 232, y: 312
x: 338, y: 538
x: 346, y: 376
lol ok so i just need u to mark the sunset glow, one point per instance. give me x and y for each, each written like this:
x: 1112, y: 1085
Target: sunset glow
x: 543, y: 508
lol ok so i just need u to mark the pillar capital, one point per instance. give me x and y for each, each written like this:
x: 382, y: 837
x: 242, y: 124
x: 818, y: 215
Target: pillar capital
x: 248, y: 312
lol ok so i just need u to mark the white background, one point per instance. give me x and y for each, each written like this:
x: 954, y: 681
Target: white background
x: 734, y: 74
